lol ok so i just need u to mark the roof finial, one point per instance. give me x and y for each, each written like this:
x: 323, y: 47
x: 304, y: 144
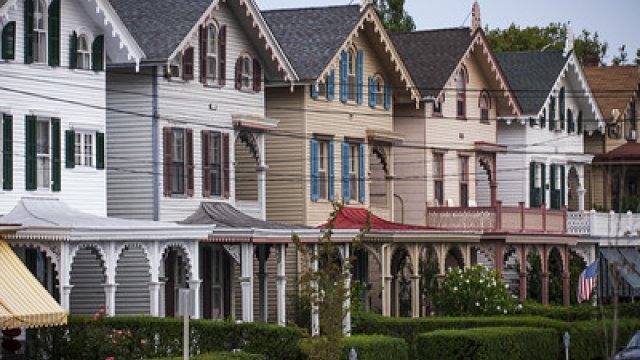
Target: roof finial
x: 476, y: 23
x: 364, y: 4
x: 568, y: 43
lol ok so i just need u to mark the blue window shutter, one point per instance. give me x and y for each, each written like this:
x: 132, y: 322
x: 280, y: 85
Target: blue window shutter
x: 344, y: 77
x: 346, y: 191
x: 314, y: 91
x: 360, y: 76
x: 361, y: 179
x: 387, y: 95
x: 372, y: 95
x: 331, y: 85
x: 331, y: 170
x: 315, y: 184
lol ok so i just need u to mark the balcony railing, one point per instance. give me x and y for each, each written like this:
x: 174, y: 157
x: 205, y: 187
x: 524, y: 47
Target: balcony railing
x: 498, y: 219
x: 611, y: 224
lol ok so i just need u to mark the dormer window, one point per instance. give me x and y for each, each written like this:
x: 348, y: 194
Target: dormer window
x: 247, y: 72
x: 212, y: 52
x: 39, y: 31
x: 352, y: 73
x: 461, y: 82
x: 83, y: 53
x: 379, y: 89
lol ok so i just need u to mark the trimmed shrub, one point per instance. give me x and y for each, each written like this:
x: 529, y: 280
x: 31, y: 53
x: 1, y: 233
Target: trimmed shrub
x: 589, y: 341
x: 581, y: 312
x: 489, y: 343
x: 375, y: 347
x: 220, y: 356
x: 148, y: 337
x: 409, y: 329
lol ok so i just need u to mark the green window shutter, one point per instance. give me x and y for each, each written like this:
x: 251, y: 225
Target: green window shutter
x: 28, y: 31
x: 7, y: 152
x: 70, y: 149
x: 97, y: 54
x: 562, y: 186
x: 73, y: 51
x: 54, y: 33
x: 100, y: 151
x: 580, y: 122
x: 543, y: 119
x: 561, y: 108
x: 552, y: 113
x: 9, y: 41
x: 543, y: 187
x: 56, y: 167
x: 571, y: 125
x: 30, y: 153
x: 532, y: 185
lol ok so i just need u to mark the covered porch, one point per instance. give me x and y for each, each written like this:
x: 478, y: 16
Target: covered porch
x: 621, y: 183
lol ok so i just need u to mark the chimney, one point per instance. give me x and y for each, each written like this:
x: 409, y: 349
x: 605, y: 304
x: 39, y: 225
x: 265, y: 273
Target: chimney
x: 364, y: 4
x: 591, y: 59
x: 476, y: 23
x: 568, y: 43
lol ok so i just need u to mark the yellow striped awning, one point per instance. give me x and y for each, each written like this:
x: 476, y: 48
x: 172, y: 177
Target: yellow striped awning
x: 24, y: 302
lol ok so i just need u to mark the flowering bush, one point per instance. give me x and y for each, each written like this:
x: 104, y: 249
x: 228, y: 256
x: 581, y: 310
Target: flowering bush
x: 474, y: 291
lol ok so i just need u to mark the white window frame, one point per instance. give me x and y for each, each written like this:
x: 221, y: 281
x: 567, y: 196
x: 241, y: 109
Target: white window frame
x: 40, y: 35
x: 216, y: 165
x: 80, y: 153
x: 354, y: 171
x: 352, y: 74
x: 43, y: 157
x: 212, y: 52
x: 379, y: 89
x: 83, y: 56
x: 183, y: 153
x: 246, y: 73
x: 323, y: 169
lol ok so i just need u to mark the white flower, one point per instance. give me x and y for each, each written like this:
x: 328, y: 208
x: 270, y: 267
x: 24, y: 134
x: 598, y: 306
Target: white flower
x: 481, y: 281
x: 477, y: 303
x: 519, y: 306
x: 505, y: 311
x: 506, y: 286
x: 467, y: 281
x: 498, y: 308
x: 485, y: 298
x: 455, y: 288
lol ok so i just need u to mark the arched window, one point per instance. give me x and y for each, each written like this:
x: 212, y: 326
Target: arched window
x: 379, y: 89
x: 212, y: 51
x: 461, y: 82
x: 484, y: 103
x: 352, y: 71
x: 83, y: 53
x: 247, y: 72
x: 39, y: 31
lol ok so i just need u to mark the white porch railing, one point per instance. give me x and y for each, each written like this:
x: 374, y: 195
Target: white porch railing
x: 609, y: 224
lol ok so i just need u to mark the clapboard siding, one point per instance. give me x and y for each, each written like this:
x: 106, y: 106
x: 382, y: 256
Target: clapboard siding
x: 513, y: 171
x: 77, y: 97
x: 133, y: 277
x: 87, y: 279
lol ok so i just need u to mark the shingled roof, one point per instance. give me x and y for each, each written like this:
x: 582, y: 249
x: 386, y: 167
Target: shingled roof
x: 432, y: 55
x: 310, y: 37
x: 623, y: 80
x: 532, y: 75
x: 159, y: 26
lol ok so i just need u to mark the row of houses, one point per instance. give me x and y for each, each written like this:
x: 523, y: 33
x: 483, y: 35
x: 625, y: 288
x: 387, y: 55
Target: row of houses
x: 148, y: 148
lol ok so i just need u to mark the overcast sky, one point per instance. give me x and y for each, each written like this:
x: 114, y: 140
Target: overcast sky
x: 616, y: 21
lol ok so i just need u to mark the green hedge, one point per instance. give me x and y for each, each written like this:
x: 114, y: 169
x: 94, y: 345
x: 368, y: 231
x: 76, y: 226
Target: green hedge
x: 147, y: 337
x: 588, y: 337
x: 376, y: 347
x: 489, y: 343
x: 221, y: 356
x: 409, y: 329
x: 581, y: 312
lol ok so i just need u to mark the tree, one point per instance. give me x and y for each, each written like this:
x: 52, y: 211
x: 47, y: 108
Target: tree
x: 394, y: 16
x: 621, y: 58
x: 638, y: 57
x: 552, y: 36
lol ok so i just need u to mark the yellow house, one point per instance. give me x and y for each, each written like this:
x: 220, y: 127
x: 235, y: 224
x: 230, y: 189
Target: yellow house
x: 335, y: 139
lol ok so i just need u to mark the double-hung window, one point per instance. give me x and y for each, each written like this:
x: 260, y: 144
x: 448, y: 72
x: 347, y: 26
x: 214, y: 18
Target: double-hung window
x: 323, y: 166
x: 178, y: 162
x: 461, y: 107
x: 43, y: 154
x: 379, y: 90
x: 354, y: 170
x: 485, y: 104
x: 39, y: 31
x: 212, y: 53
x: 247, y: 72
x: 438, y: 178
x: 84, y: 149
x: 83, y: 53
x: 352, y: 74
x: 463, y: 164
x: 215, y: 163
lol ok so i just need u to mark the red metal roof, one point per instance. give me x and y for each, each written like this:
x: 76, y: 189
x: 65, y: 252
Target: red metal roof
x: 628, y: 151
x: 355, y: 219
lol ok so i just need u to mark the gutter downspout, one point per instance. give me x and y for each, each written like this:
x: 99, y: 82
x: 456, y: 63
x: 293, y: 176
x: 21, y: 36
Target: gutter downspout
x: 155, y: 137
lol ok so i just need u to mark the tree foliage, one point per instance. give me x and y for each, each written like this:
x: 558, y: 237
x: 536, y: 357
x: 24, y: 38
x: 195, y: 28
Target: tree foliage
x: 621, y: 58
x: 552, y: 36
x: 394, y: 16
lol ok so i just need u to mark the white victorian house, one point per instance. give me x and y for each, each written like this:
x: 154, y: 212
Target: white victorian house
x: 544, y: 164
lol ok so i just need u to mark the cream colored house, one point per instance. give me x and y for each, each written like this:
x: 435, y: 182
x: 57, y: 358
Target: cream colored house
x: 335, y: 140
x: 449, y: 154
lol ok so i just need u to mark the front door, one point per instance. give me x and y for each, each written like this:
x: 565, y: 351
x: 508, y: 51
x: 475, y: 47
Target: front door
x: 213, y: 261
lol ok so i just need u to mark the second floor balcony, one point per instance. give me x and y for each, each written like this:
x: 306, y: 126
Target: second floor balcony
x: 610, y: 226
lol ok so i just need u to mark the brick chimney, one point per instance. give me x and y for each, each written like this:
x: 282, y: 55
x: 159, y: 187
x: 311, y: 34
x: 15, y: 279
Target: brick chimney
x: 591, y: 59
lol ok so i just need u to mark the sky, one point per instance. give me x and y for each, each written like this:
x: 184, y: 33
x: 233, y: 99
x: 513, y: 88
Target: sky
x: 616, y: 21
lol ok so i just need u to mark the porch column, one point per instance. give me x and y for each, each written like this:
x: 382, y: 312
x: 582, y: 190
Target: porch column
x: 415, y: 296
x: 246, y: 281
x: 155, y: 286
x: 110, y: 298
x: 581, y: 192
x: 315, y: 314
x: 494, y: 193
x: 262, y: 177
x: 110, y: 286
x: 154, y: 298
x: 65, y: 297
x: 65, y: 276
x: 523, y: 273
x: 282, y: 285
x: 545, y: 276
x: 566, y: 299
x: 386, y: 281
x: 263, y: 256
x: 346, y: 322
x: 499, y: 262
x: 194, y: 286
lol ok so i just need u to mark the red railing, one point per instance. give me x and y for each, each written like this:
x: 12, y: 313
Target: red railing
x: 498, y: 219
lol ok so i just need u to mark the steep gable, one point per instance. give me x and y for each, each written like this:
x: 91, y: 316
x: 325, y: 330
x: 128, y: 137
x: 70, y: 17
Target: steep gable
x: 624, y: 80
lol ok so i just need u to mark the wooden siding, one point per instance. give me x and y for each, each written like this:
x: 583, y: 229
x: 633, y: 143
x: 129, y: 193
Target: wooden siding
x: 77, y: 97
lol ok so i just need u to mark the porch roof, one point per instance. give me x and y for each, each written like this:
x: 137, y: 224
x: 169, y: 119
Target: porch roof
x: 52, y: 219
x: 627, y: 152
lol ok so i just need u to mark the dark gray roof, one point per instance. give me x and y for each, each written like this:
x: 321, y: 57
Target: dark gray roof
x: 311, y: 37
x: 431, y: 56
x: 225, y: 216
x: 531, y: 75
x: 159, y: 26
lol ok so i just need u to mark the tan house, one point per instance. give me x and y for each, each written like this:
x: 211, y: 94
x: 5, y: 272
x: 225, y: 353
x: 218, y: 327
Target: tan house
x: 449, y: 154
x: 615, y: 175
x: 335, y: 139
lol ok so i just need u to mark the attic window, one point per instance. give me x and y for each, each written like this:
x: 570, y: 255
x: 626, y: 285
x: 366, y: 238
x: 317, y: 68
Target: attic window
x: 379, y: 89
x: 212, y: 52
x: 83, y: 53
x: 461, y: 82
x: 353, y: 69
x: 246, y: 72
x: 484, y: 103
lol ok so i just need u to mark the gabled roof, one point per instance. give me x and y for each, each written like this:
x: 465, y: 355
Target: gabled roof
x: 225, y: 216
x: 532, y: 75
x: 159, y: 26
x: 432, y: 55
x: 356, y: 219
x: 626, y: 152
x: 312, y: 36
x: 613, y: 86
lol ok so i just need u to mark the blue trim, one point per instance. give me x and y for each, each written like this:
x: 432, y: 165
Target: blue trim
x: 344, y: 77
x: 387, y: 95
x: 360, y: 75
x: 361, y: 177
x: 331, y: 85
x: 314, y: 91
x: 331, y: 171
x: 315, y: 183
x: 346, y: 190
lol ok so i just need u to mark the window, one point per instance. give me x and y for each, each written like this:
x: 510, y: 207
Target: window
x: 215, y: 163
x: 84, y: 149
x: 463, y: 165
x: 178, y: 162
x: 83, y: 53
x: 43, y: 154
x: 438, y: 178
x: 323, y: 166
x: 40, y: 31
x: 352, y: 71
x: 461, y: 80
x: 354, y: 169
x: 379, y: 89
x: 437, y: 108
x: 630, y: 123
x: 212, y: 52
x: 246, y: 73
x: 485, y: 104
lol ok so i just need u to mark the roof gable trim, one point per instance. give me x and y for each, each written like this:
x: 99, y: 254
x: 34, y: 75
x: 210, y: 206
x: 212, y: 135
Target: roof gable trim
x: 135, y: 52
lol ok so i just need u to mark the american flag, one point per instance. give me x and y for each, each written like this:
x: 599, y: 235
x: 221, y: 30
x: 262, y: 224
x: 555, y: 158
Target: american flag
x: 587, y: 281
